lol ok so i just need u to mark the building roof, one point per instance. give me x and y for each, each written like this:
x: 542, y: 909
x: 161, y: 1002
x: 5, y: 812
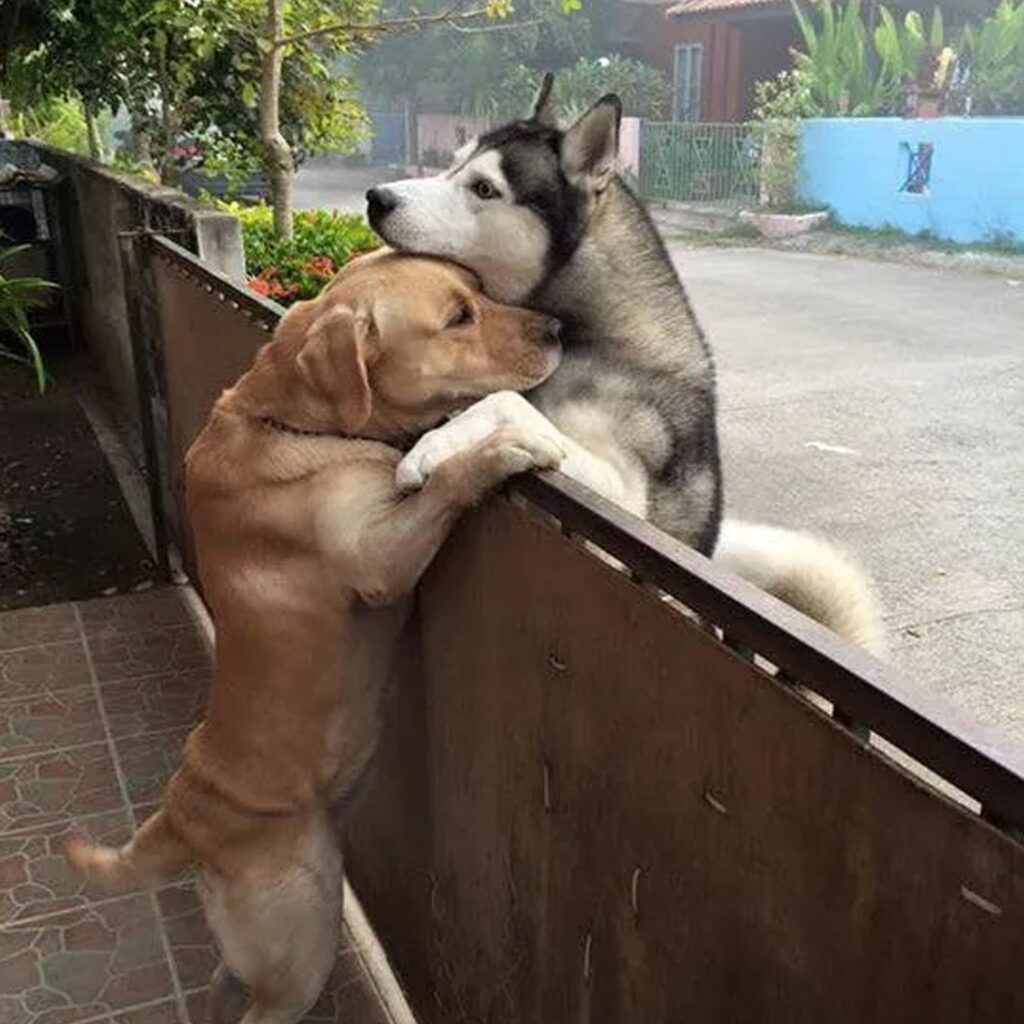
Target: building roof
x: 710, y: 6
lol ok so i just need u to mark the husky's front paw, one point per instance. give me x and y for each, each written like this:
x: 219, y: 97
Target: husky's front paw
x: 504, y: 408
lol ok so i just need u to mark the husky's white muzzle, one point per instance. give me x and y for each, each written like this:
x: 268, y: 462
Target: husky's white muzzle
x: 503, y: 243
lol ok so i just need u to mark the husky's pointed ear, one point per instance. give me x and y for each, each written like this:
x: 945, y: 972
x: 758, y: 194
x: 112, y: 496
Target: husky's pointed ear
x: 333, y: 362
x: 543, y: 106
x: 590, y: 148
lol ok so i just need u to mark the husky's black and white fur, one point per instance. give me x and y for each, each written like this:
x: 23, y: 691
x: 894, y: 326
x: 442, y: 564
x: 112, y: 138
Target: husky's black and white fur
x: 540, y: 215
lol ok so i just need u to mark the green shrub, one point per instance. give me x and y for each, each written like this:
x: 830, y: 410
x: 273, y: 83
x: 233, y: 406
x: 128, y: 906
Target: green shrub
x: 287, y: 270
x: 17, y: 296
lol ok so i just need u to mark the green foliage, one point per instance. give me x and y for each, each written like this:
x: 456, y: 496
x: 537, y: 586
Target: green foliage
x: 902, y: 47
x: 188, y: 68
x: 851, y: 70
x: 779, y: 104
x: 17, y: 296
x: 994, y: 52
x: 60, y: 122
x: 125, y: 162
x: 786, y: 96
x: 297, y: 268
x: 473, y: 72
x: 983, y: 73
x: 836, y: 62
x: 643, y: 90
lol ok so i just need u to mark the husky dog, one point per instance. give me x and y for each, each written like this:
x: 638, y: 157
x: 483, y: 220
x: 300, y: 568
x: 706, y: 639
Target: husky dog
x: 544, y: 220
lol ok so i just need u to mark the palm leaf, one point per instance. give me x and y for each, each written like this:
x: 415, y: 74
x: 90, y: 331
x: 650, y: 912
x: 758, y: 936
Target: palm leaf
x: 807, y: 30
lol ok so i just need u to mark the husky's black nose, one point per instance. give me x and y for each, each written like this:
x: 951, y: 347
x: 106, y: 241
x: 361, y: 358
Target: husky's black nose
x: 553, y: 331
x: 379, y: 203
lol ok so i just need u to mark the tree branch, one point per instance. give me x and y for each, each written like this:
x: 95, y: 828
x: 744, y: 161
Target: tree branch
x: 504, y: 26
x: 446, y: 17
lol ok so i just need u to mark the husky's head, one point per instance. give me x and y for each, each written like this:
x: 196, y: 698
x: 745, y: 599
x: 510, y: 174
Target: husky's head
x: 514, y: 204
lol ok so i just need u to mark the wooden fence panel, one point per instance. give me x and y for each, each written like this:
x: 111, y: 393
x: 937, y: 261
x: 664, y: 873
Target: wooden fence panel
x: 616, y: 819
x: 206, y: 344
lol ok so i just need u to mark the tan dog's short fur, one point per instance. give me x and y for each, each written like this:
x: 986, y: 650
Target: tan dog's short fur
x: 306, y: 552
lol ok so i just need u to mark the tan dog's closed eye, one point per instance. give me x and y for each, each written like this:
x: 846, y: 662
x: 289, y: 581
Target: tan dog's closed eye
x: 305, y: 551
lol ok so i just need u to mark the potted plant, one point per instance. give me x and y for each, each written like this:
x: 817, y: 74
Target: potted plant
x: 781, y: 103
x: 17, y: 296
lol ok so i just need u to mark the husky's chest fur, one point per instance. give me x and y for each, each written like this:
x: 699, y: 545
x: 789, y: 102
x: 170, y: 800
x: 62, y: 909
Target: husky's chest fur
x: 637, y: 359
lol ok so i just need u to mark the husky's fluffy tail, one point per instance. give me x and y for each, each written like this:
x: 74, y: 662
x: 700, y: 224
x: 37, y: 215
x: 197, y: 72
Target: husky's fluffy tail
x: 809, y: 574
x: 155, y: 854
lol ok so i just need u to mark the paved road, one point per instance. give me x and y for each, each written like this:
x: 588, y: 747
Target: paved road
x: 326, y: 182
x: 884, y: 406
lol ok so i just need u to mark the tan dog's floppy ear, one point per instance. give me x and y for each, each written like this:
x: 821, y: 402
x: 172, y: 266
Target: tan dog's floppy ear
x: 333, y: 363
x: 590, y: 148
x: 543, y: 106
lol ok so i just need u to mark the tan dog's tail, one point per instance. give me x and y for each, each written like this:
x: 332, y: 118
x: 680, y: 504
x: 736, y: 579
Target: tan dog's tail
x: 809, y: 574
x: 154, y: 854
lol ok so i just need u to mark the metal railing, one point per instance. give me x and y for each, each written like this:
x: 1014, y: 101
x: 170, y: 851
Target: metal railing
x: 693, y: 162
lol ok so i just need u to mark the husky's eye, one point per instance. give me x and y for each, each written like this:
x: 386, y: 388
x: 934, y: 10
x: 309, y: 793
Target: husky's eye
x: 462, y: 317
x: 483, y: 189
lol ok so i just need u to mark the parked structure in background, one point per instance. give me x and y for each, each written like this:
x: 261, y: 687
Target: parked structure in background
x: 713, y: 51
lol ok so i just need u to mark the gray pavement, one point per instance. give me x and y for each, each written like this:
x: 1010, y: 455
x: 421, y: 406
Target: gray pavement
x: 883, y: 406
x: 327, y: 182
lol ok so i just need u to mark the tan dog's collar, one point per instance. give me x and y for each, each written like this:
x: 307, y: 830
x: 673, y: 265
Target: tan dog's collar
x: 287, y: 428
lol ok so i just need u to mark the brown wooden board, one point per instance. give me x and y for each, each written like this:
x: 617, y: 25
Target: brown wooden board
x: 587, y: 809
x: 206, y: 344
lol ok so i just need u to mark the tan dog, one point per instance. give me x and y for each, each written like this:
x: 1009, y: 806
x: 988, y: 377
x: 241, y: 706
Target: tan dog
x: 304, y: 549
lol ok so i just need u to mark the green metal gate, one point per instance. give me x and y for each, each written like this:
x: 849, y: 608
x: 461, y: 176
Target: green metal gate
x: 693, y: 162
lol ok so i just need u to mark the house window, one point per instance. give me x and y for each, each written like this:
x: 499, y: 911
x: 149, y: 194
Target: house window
x: 689, y: 59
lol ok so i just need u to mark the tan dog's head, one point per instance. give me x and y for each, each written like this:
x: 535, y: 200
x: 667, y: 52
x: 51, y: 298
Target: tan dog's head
x: 396, y: 342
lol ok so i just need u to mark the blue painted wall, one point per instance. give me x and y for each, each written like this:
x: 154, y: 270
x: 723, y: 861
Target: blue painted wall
x: 858, y: 166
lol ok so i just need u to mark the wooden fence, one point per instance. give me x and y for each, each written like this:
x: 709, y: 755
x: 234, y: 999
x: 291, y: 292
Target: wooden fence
x: 589, y: 805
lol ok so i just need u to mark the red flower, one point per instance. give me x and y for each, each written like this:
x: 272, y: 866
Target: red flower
x: 259, y: 285
x: 320, y: 266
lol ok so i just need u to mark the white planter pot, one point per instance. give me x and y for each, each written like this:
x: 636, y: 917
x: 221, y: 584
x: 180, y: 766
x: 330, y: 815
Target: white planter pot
x: 783, y: 225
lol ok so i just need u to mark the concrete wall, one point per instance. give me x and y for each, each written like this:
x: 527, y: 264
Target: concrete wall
x: 100, y: 204
x: 858, y: 167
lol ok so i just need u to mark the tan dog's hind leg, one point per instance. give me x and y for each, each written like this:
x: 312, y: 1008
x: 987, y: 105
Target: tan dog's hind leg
x: 227, y: 998
x: 279, y: 933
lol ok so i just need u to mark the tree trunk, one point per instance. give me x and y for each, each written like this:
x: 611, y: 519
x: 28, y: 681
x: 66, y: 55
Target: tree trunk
x: 139, y: 141
x: 278, y: 161
x: 95, y: 145
x: 167, y: 167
